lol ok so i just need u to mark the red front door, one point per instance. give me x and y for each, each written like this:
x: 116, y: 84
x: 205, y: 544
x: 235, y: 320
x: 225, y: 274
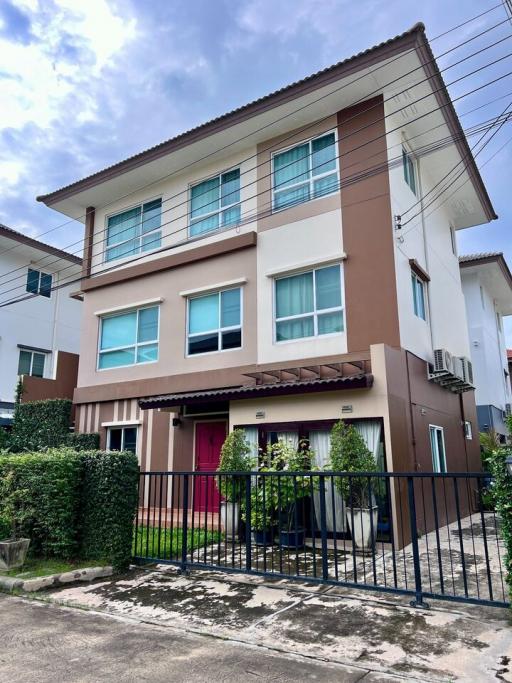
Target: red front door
x: 209, y: 439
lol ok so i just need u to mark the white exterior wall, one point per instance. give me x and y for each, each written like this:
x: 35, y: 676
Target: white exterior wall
x: 488, y: 350
x: 46, y: 323
x: 429, y: 242
x: 174, y: 192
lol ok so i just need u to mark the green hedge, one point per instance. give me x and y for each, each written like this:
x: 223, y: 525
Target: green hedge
x: 52, y: 481
x: 40, y: 424
x: 108, y: 505
x: 82, y: 504
x: 501, y: 491
x: 83, y: 442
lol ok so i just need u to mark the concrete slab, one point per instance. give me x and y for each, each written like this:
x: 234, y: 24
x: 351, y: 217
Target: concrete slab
x: 336, y: 625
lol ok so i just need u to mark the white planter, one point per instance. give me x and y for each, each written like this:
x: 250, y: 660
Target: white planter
x: 230, y: 518
x: 363, y: 522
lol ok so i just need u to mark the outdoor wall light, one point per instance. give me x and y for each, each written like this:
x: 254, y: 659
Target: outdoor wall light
x: 176, y: 422
x: 509, y: 464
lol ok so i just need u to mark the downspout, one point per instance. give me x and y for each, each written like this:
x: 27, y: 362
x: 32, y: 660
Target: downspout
x: 54, y: 329
x: 427, y: 262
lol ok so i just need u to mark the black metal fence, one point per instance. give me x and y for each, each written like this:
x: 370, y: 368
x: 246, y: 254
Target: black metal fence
x: 425, y: 535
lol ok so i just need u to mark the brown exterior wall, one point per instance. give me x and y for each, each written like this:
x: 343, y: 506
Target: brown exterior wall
x: 370, y: 282
x: 63, y: 386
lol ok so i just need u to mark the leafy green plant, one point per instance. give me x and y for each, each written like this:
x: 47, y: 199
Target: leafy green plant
x: 262, y: 505
x: 83, y: 442
x: 40, y: 424
x: 349, y: 453
x: 15, y: 505
x: 234, y: 457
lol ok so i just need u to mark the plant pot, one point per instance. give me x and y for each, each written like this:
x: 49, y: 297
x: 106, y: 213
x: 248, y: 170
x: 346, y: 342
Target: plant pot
x: 263, y: 536
x: 13, y: 553
x: 363, y: 525
x: 230, y: 519
x: 295, y: 538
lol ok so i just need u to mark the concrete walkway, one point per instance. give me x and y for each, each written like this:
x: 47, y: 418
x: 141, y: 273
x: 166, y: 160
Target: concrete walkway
x: 359, y: 630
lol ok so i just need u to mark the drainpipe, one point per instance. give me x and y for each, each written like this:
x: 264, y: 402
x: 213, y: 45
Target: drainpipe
x: 425, y: 249
x: 54, y: 329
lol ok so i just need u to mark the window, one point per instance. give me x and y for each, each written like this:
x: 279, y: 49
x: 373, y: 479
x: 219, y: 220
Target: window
x: 39, y: 283
x: 122, y: 439
x: 418, y: 296
x: 31, y: 363
x: 214, y: 322
x: 215, y: 203
x: 129, y: 338
x: 134, y: 231
x: 409, y: 169
x: 438, y: 449
x: 306, y: 171
x: 308, y: 304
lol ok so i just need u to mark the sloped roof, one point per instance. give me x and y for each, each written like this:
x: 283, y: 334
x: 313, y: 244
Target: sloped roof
x: 36, y: 244
x: 467, y: 258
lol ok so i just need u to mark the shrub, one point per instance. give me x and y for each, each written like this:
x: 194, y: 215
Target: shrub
x: 40, y: 424
x: 83, y: 442
x: 108, y: 505
x: 234, y: 457
x: 349, y: 453
x: 502, y: 497
x: 51, y: 483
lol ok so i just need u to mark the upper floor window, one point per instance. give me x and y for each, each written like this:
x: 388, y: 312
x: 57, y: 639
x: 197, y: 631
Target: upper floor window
x: 418, y: 296
x: 129, y: 338
x: 39, y: 283
x: 215, y: 203
x: 305, y: 172
x: 214, y: 322
x: 309, y: 304
x: 409, y: 169
x: 31, y: 363
x: 134, y: 231
x: 437, y: 448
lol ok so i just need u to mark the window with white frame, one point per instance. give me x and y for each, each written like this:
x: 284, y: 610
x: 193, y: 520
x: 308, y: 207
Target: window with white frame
x: 31, y: 363
x: 215, y: 203
x: 438, y: 449
x: 306, y: 171
x: 409, y: 167
x: 308, y: 304
x: 418, y: 296
x: 39, y: 283
x: 134, y: 231
x: 215, y: 322
x: 122, y: 439
x: 129, y: 338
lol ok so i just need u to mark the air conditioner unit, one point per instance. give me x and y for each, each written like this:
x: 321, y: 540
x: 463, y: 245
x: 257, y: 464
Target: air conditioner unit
x: 458, y: 368
x: 508, y: 408
x: 467, y: 368
x: 443, y: 361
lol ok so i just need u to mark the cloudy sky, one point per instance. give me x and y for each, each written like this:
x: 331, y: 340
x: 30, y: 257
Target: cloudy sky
x: 86, y: 84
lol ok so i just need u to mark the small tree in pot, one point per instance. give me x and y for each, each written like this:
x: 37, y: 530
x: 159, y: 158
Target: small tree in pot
x: 234, y: 457
x: 349, y: 453
x: 291, y: 489
x: 14, y: 513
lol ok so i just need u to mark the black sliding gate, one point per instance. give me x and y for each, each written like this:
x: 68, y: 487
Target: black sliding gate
x: 423, y: 535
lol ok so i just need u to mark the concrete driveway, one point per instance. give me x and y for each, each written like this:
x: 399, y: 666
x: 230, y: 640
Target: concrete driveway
x: 371, y: 632
x: 42, y: 642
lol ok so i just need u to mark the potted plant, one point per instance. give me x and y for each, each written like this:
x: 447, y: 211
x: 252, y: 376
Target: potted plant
x: 14, y: 512
x: 348, y: 453
x: 234, y: 457
x: 262, y: 511
x: 285, y: 457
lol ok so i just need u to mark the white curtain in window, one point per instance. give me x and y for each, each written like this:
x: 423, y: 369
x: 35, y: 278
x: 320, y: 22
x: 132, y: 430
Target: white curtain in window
x: 288, y: 437
x: 319, y: 443
x: 251, y: 436
x: 370, y: 431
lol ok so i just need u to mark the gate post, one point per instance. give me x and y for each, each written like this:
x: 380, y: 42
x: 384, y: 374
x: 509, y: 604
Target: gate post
x: 418, y: 602
x: 248, y: 530
x: 184, y: 526
x: 323, y: 527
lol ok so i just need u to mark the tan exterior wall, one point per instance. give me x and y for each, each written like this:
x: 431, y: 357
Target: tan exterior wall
x: 63, y: 386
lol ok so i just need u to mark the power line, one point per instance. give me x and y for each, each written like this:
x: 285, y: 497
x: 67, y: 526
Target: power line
x: 454, y: 28
x: 353, y: 133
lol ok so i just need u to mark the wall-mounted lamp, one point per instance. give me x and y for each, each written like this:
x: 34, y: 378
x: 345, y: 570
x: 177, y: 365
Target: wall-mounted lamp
x: 176, y: 422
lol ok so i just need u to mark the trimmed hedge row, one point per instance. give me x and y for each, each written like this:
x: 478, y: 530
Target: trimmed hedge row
x: 83, y: 442
x: 40, y: 424
x: 82, y: 504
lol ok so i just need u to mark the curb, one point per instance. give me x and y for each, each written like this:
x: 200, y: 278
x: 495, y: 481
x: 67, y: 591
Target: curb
x: 11, y: 584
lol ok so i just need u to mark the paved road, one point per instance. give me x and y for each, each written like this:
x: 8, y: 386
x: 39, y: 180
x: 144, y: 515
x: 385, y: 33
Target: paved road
x: 41, y: 642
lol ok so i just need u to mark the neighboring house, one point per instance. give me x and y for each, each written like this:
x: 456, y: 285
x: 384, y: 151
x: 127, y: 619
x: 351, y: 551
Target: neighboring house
x: 260, y: 277
x: 39, y: 336
x: 487, y: 286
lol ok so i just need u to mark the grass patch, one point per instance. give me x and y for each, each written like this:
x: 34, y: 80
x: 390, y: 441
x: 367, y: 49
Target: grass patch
x: 35, y: 567
x: 167, y: 543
